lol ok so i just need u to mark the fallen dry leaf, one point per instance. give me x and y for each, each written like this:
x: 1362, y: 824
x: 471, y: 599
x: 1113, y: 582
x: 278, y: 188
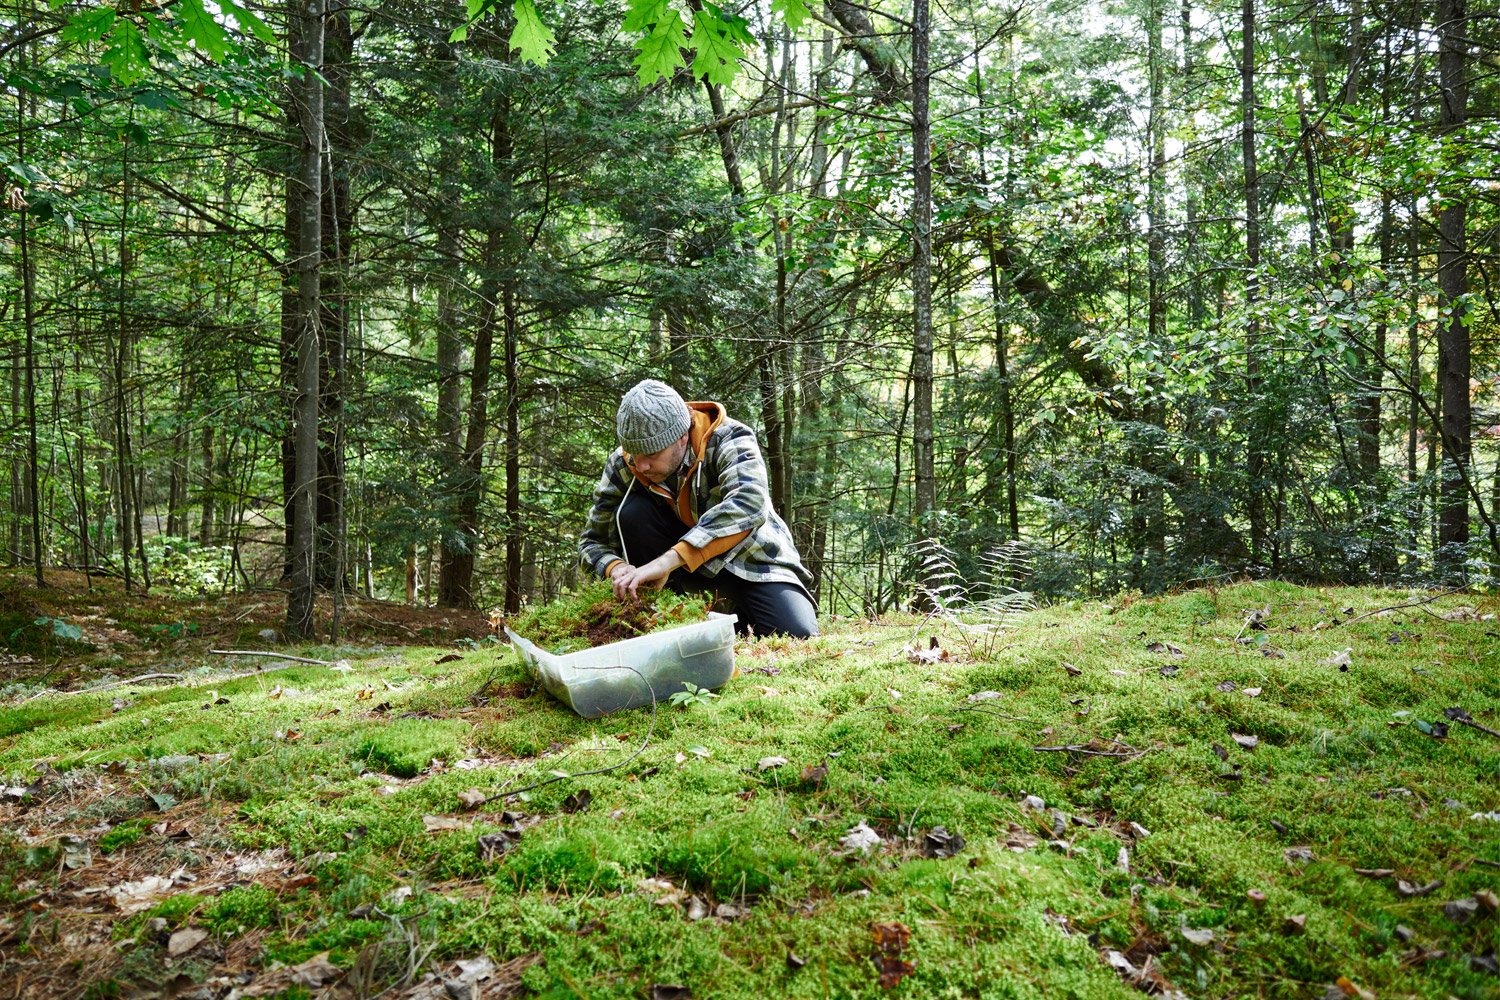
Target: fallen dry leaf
x: 183, y: 941
x: 892, y: 970
x: 891, y: 940
x: 312, y: 974
x: 438, y: 824
x: 492, y: 845
x: 1411, y: 890
x: 133, y: 897
x: 939, y: 843
x: 934, y: 654
x: 1340, y: 659
x: 1461, y: 911
x: 860, y: 838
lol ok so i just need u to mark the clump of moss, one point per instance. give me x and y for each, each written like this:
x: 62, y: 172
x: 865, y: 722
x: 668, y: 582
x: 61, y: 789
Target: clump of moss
x: 593, y: 617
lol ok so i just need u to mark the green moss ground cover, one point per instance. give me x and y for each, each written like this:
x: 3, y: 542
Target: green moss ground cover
x: 1153, y: 848
x: 593, y: 616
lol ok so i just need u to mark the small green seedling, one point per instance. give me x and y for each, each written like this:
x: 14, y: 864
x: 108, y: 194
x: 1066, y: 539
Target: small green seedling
x: 694, y: 695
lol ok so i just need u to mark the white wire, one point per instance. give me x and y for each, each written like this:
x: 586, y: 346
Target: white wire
x: 618, y: 532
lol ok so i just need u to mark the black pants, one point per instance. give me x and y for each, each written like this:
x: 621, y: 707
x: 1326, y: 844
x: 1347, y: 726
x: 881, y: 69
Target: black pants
x: 649, y: 528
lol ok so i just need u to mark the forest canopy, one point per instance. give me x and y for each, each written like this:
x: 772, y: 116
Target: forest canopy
x: 1122, y: 296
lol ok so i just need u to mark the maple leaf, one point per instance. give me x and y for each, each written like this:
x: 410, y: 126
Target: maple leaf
x: 530, y: 37
x: 644, y: 13
x: 200, y: 28
x: 126, y: 58
x: 249, y: 23
x: 660, y: 53
x: 718, y: 46
x: 793, y: 12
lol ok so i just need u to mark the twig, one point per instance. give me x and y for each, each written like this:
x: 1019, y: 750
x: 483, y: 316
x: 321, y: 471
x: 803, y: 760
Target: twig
x: 101, y: 687
x: 1091, y: 753
x: 1409, y: 604
x: 132, y: 680
x: 912, y: 822
x: 1458, y: 715
x: 1083, y: 749
x: 988, y: 711
x: 261, y: 652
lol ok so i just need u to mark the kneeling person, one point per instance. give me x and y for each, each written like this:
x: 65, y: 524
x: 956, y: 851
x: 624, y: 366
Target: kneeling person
x: 683, y: 503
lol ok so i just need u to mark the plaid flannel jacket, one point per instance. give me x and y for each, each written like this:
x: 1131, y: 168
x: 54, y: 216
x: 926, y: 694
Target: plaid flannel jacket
x: 730, y: 497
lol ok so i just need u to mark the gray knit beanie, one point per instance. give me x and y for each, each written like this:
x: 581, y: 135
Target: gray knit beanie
x: 651, y: 416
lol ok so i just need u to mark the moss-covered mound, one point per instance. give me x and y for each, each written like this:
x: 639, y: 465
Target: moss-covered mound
x: 593, y: 617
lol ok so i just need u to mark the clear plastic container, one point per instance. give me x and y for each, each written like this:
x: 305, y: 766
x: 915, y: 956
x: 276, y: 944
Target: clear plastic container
x: 629, y: 673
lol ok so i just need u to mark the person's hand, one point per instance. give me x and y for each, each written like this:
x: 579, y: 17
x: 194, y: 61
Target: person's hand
x: 629, y: 579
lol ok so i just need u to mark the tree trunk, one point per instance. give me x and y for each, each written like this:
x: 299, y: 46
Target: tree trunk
x: 206, y: 455
x: 514, y: 526
x: 455, y: 559
x: 456, y: 576
x: 304, y: 556
x: 1156, y: 265
x: 1255, y: 465
x: 177, y: 480
x: 28, y: 283
x: 923, y: 458
x: 1453, y: 337
x: 336, y: 227
x: 124, y: 473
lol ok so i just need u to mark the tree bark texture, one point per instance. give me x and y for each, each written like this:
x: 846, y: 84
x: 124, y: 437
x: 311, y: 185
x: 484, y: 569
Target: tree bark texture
x: 300, y: 621
x: 1453, y: 337
x: 923, y: 459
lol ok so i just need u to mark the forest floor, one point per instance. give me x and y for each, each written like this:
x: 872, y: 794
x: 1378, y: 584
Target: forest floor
x: 1258, y: 790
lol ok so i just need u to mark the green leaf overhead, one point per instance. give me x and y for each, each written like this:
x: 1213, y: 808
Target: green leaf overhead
x: 793, y: 12
x: 643, y: 14
x: 200, y: 28
x: 659, y: 54
x: 126, y: 57
x: 717, y: 39
x: 89, y: 26
x: 531, y: 37
x: 248, y: 21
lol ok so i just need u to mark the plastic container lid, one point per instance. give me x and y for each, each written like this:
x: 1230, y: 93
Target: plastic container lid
x: 634, y: 672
